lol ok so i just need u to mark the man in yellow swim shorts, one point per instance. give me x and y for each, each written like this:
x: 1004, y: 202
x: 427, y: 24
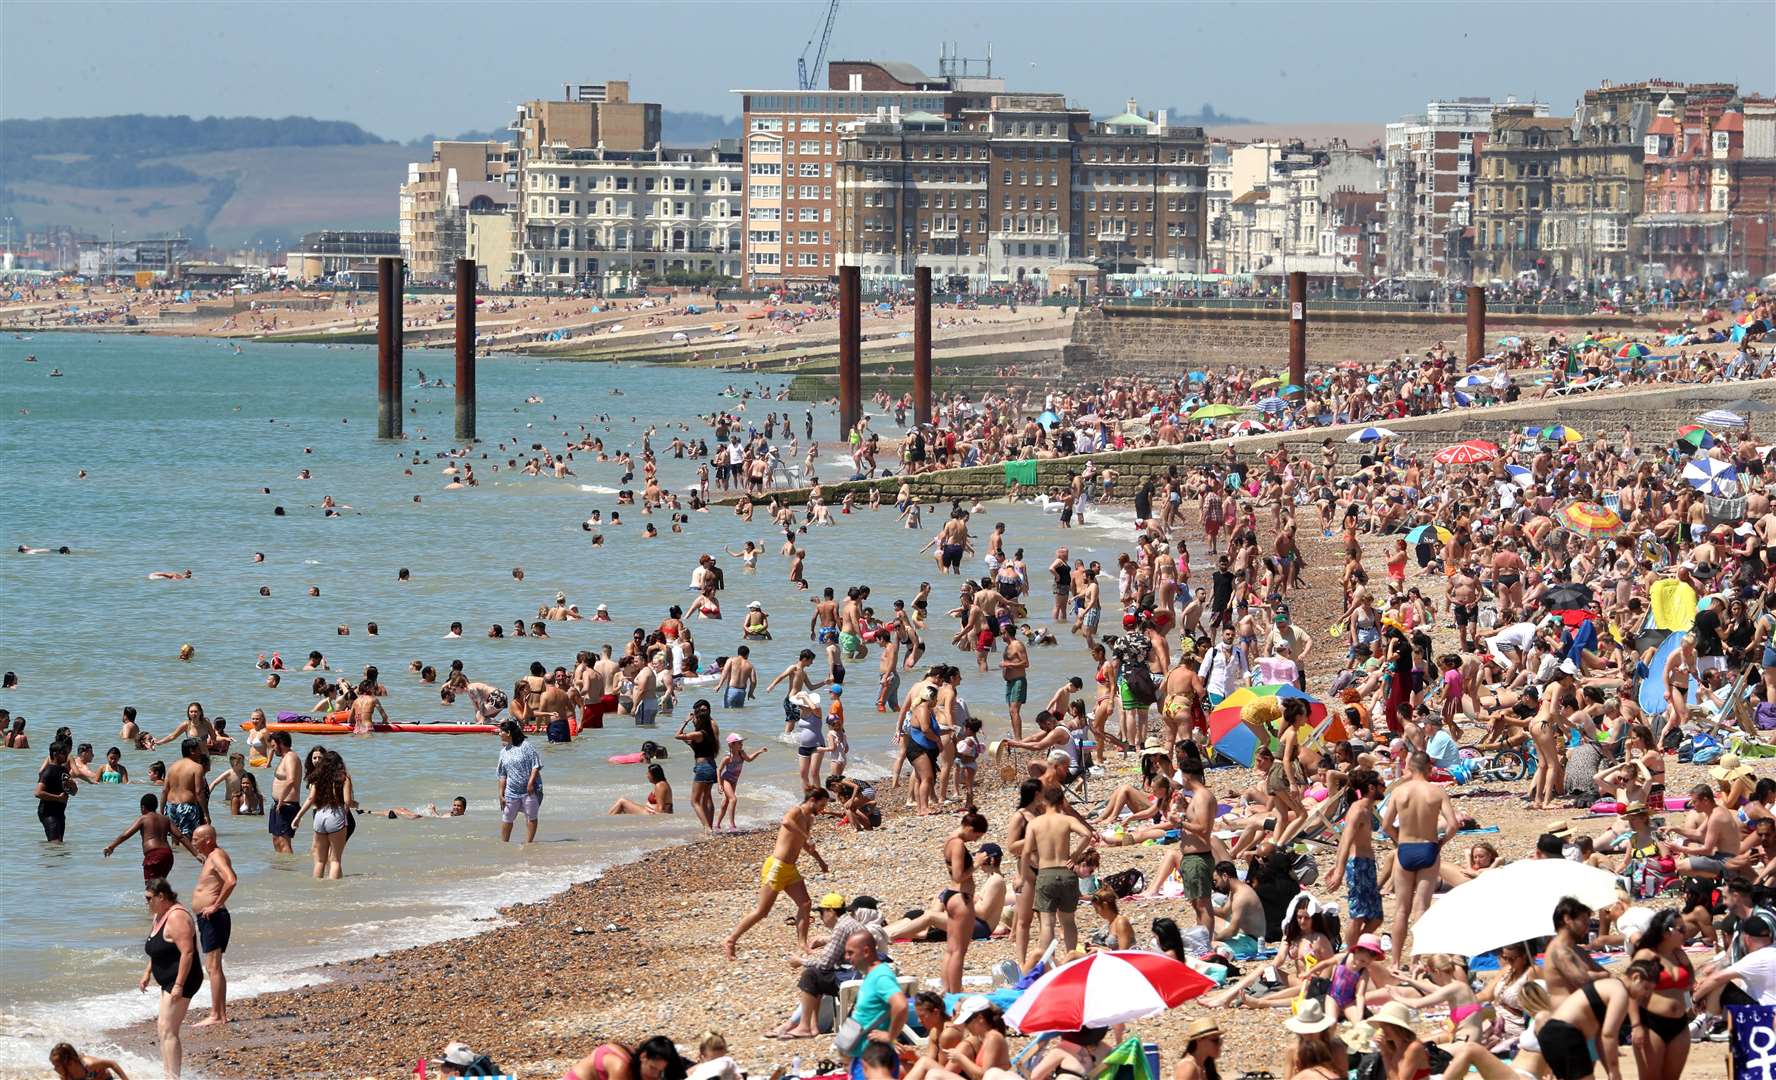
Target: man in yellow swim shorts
x: 780, y: 874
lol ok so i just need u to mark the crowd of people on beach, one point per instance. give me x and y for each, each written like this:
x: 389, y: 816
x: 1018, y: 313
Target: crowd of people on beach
x: 1383, y: 638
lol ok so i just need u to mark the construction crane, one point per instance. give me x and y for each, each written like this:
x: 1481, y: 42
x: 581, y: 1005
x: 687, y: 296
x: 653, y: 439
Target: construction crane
x: 803, y: 79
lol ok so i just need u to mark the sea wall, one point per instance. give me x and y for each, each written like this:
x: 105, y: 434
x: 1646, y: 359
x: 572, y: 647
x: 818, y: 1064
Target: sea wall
x: 1156, y: 340
x: 1654, y: 413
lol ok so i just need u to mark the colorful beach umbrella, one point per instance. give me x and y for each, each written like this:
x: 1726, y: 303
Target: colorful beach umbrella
x: 1631, y: 351
x: 1721, y: 418
x: 1048, y: 418
x: 1558, y: 433
x: 1249, y: 427
x: 1293, y: 388
x: 1233, y: 740
x: 1473, y: 380
x: 1710, y: 476
x: 1591, y: 519
x: 1268, y: 380
x: 1696, y: 435
x: 1271, y: 405
x: 1416, y: 536
x: 1369, y: 435
x: 1233, y: 705
x: 1520, y: 475
x: 1215, y: 411
x: 1105, y: 989
x: 1471, y: 452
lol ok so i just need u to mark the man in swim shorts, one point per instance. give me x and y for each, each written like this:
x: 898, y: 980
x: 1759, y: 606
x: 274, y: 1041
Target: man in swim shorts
x: 1050, y: 836
x: 780, y: 873
x: 286, y: 786
x: 739, y: 679
x: 1355, y: 863
x: 185, y: 787
x: 209, y: 901
x: 1415, y: 809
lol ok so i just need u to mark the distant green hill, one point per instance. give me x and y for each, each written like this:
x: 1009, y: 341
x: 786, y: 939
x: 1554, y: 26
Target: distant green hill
x: 224, y: 181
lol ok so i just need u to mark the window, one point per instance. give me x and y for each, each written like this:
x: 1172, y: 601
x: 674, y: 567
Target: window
x: 810, y: 168
x: 759, y: 168
x: 762, y: 213
x: 766, y: 123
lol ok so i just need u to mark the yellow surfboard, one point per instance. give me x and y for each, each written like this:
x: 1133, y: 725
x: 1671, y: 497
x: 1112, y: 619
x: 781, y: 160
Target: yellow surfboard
x: 1674, y: 604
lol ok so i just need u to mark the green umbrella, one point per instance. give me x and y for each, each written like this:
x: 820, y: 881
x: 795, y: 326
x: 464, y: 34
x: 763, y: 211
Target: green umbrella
x: 1211, y: 412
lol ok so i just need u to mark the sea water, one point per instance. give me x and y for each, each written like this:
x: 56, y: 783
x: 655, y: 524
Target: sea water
x: 178, y: 437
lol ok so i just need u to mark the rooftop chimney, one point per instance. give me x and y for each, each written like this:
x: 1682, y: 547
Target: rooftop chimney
x: 1130, y: 106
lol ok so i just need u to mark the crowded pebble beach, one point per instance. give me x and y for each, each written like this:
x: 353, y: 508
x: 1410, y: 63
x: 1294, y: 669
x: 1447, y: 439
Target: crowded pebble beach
x: 1255, y: 737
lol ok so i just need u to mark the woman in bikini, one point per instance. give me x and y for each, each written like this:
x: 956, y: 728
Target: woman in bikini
x: 959, y: 904
x: 1661, y: 1024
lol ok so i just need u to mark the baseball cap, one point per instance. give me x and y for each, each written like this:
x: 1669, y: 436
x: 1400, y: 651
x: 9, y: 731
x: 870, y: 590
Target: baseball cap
x: 1370, y: 943
x: 832, y: 901
x: 991, y: 851
x: 1129, y: 621
x: 1568, y: 667
x: 837, y: 690
x: 969, y: 1007
x: 602, y: 607
x: 734, y: 737
x: 754, y: 605
x: 457, y: 1054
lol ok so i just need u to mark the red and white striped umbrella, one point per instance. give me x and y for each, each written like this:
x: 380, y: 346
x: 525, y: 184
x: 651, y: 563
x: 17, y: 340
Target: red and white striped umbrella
x: 1103, y: 990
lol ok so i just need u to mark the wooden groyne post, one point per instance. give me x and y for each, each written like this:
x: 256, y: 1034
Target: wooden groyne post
x: 465, y: 350
x: 1476, y: 324
x: 1298, y: 327
x: 850, y: 351
x: 922, y: 344
x: 389, y: 279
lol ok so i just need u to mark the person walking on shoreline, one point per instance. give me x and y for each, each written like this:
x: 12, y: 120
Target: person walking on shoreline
x: 779, y: 873
x: 157, y: 836
x: 521, y: 782
x: 286, y: 779
x: 209, y: 901
x: 173, y: 965
x: 330, y: 797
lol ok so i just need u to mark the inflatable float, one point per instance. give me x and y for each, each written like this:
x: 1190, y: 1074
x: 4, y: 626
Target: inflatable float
x: 303, y: 724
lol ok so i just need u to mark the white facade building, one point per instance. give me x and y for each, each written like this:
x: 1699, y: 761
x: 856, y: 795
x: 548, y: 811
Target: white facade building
x: 614, y: 219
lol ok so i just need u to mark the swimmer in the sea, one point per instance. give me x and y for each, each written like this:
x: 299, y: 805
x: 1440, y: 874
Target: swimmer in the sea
x: 169, y: 575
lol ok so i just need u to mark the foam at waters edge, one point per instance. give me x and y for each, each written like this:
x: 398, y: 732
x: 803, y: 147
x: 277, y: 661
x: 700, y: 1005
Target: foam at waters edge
x: 598, y: 489
x: 25, y: 1037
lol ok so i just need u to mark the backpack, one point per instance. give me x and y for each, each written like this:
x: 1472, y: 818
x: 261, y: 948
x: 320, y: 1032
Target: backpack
x: 1139, y: 679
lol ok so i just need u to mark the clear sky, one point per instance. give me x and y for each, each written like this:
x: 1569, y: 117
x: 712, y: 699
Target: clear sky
x: 403, y: 69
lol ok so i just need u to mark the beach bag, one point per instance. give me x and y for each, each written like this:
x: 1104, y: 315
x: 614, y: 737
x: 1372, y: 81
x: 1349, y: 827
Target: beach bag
x: 1765, y: 716
x: 848, y: 1040
x: 1126, y: 882
x: 1648, y: 878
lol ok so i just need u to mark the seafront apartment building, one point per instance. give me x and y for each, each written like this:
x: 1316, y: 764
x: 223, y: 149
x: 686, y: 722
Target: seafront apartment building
x: 1007, y: 193
x: 607, y: 219
x: 791, y: 151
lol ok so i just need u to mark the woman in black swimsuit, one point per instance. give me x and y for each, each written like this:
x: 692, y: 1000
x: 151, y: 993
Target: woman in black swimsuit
x: 959, y: 906
x: 172, y: 962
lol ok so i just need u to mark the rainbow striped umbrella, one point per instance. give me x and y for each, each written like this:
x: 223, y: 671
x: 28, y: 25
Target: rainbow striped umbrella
x: 1632, y: 351
x: 1591, y: 519
x: 1559, y: 433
